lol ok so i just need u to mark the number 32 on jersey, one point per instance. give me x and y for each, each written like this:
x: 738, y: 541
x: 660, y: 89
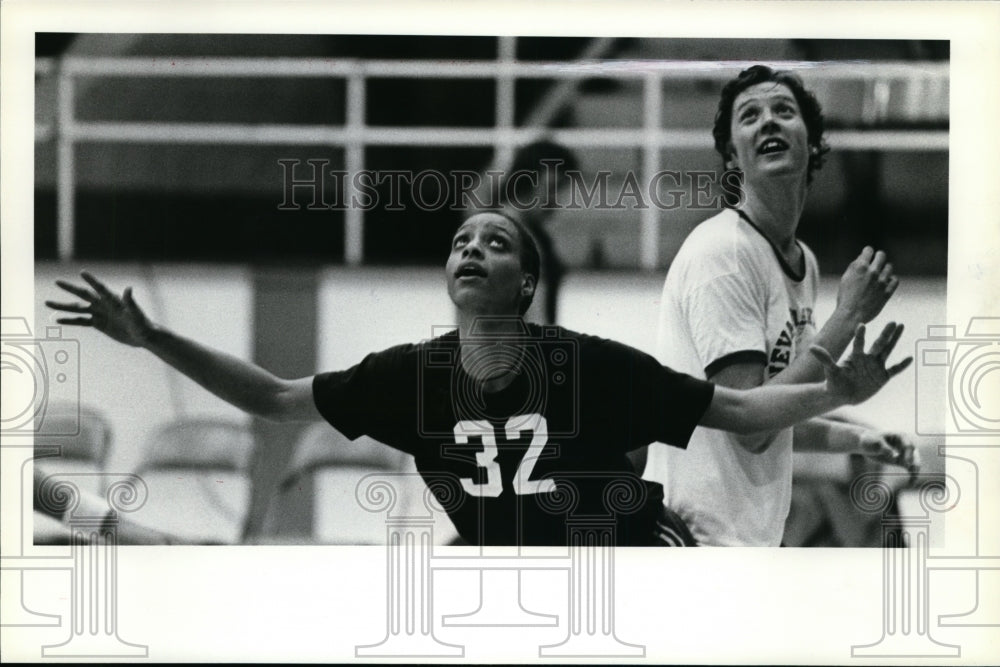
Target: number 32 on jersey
x: 523, y: 484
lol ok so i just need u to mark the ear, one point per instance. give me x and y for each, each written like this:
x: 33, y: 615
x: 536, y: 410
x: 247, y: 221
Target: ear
x: 731, y: 161
x: 527, y: 284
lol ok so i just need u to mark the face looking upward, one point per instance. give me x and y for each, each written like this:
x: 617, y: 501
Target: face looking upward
x: 484, y: 270
x: 768, y: 134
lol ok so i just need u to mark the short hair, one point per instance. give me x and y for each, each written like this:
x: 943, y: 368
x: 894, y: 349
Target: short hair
x: 530, y: 257
x: 812, y: 112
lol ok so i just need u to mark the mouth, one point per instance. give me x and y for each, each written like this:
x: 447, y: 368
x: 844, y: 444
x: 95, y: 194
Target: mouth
x: 772, y: 145
x: 470, y: 270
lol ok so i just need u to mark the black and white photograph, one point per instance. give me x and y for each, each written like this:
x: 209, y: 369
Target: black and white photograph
x: 407, y: 335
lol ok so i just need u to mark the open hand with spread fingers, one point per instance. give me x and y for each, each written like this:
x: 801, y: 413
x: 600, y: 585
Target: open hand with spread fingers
x: 862, y: 374
x: 118, y: 317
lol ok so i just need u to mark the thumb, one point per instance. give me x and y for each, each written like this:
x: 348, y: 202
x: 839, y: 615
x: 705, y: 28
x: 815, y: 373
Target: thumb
x: 823, y: 357
x: 129, y: 301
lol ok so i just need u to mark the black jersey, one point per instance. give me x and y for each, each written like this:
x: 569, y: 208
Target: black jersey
x: 515, y: 466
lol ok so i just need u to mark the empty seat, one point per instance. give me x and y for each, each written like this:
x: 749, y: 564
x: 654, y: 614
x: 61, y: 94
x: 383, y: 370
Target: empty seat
x: 80, y: 452
x: 196, y: 470
x: 320, y: 486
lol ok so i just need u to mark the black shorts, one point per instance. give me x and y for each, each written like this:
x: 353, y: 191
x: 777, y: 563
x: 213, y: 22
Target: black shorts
x: 671, y: 531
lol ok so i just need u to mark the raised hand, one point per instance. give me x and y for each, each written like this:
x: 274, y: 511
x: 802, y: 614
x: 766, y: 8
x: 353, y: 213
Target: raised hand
x: 866, y: 286
x: 863, y: 373
x: 118, y: 317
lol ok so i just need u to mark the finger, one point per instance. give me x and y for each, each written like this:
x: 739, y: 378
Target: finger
x: 886, y: 274
x: 890, y: 288
x: 130, y: 300
x: 76, y: 321
x: 76, y: 291
x: 859, y: 340
x: 886, y: 452
x: 98, y: 286
x: 866, y: 254
x: 889, y: 345
x: 900, y: 367
x: 68, y: 307
x: 883, y: 340
x: 878, y: 263
x: 823, y: 356
x: 877, y: 447
x: 914, y: 467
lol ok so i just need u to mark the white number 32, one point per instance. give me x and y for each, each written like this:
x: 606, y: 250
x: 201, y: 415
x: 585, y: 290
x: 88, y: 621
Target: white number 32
x: 523, y: 484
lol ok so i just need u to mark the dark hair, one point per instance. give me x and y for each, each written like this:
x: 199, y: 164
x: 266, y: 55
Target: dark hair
x: 529, y: 158
x: 531, y: 259
x: 812, y: 112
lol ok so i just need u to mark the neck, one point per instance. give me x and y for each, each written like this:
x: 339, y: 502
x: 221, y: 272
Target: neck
x: 474, y: 325
x: 776, y: 208
x: 491, y: 348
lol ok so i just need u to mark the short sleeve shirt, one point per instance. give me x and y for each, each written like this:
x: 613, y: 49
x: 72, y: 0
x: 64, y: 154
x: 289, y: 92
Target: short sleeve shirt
x: 523, y: 460
x: 729, y: 297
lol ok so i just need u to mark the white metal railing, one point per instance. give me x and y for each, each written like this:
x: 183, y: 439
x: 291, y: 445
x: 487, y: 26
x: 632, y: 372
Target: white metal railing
x: 354, y: 135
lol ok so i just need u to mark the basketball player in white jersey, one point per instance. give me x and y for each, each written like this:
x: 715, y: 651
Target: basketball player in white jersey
x: 738, y: 310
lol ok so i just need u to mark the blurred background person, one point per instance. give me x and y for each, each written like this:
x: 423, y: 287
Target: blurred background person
x: 529, y: 191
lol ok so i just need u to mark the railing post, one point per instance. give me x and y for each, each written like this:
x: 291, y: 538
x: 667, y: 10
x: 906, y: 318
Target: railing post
x: 354, y: 216
x: 649, y: 232
x: 65, y: 166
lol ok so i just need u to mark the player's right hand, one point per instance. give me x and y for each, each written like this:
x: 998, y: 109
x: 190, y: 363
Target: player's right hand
x: 118, y: 317
x: 862, y: 374
x: 866, y: 286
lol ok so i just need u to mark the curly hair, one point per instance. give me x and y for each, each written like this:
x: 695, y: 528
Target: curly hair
x: 812, y: 112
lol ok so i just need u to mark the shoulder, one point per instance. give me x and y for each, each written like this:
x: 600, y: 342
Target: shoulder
x: 597, y: 350
x: 720, y: 246
x: 406, y: 356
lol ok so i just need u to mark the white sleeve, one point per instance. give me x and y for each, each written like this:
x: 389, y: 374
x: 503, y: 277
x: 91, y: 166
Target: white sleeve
x: 724, y: 304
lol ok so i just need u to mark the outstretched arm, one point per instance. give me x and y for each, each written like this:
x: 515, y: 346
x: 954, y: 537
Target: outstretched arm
x: 834, y: 435
x: 866, y: 286
x: 772, y: 407
x: 243, y: 384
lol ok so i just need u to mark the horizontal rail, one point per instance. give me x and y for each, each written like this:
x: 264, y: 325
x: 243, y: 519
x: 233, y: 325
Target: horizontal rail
x: 313, y: 135
x: 487, y: 69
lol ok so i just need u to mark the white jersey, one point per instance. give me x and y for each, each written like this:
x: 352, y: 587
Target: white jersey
x: 730, y: 297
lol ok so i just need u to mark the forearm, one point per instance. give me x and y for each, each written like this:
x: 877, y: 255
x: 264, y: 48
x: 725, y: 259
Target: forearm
x: 827, y: 435
x: 834, y: 337
x: 767, y: 408
x: 238, y: 382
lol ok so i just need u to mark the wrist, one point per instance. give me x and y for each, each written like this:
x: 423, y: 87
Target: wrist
x: 151, y: 336
x: 846, y: 319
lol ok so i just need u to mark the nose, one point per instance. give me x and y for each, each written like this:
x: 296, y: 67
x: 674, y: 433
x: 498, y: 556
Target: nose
x: 767, y: 120
x: 473, y: 247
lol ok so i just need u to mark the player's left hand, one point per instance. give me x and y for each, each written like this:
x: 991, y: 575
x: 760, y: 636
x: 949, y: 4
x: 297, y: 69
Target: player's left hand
x: 862, y: 374
x: 890, y: 447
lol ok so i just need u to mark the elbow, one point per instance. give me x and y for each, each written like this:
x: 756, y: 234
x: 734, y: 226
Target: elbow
x: 754, y: 441
x: 286, y: 403
x: 274, y: 410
